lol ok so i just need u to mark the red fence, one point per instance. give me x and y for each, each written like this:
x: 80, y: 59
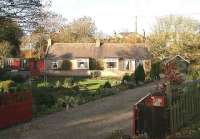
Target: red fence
x: 15, y: 108
x: 36, y: 67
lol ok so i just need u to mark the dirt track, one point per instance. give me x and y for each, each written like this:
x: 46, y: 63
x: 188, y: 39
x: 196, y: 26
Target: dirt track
x: 94, y: 120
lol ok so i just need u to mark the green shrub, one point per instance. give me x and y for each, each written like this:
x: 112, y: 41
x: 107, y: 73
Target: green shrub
x: 76, y: 88
x: 126, y: 78
x: 95, y: 74
x: 58, y: 84
x: 139, y: 74
x: 65, y: 83
x: 155, y: 71
x: 44, y: 99
x: 99, y: 65
x: 67, y: 65
x: 107, y: 85
x: 67, y: 101
x: 18, y: 78
x: 193, y: 75
x: 107, y: 91
x: 6, y: 85
x: 43, y: 85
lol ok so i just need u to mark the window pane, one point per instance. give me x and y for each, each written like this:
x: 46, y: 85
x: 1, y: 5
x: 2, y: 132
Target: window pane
x: 111, y: 64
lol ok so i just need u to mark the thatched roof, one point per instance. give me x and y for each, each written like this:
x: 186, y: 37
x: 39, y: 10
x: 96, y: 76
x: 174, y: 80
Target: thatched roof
x: 106, y: 50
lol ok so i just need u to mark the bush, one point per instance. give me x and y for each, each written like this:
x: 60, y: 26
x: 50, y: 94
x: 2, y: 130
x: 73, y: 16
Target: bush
x: 67, y: 101
x: 95, y: 64
x: 67, y: 65
x: 193, y: 75
x: 58, y: 84
x: 95, y: 74
x: 43, y: 85
x: 107, y: 85
x: 126, y: 78
x: 99, y: 65
x: 108, y: 91
x: 6, y: 85
x: 155, y: 71
x: 44, y: 100
x: 139, y: 74
x: 18, y: 78
x: 2, y: 73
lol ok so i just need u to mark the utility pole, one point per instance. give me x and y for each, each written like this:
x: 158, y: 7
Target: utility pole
x: 136, y: 24
x: 135, y: 37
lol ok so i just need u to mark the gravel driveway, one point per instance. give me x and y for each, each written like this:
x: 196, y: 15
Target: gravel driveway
x: 94, y: 120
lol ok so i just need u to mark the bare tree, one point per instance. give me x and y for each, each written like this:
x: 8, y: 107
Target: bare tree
x: 26, y: 12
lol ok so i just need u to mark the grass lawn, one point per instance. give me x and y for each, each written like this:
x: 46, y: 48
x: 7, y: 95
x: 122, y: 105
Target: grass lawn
x: 83, y: 82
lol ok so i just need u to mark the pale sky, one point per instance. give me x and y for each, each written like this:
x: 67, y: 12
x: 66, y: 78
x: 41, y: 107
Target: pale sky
x: 119, y: 15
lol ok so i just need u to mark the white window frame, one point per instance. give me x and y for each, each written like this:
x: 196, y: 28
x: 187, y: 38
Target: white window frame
x: 52, y: 65
x: 114, y: 60
x: 84, y: 60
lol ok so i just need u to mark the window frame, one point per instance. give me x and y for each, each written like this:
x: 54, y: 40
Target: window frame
x: 82, y: 60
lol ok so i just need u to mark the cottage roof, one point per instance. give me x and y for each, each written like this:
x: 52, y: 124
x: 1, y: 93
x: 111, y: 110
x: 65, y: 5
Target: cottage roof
x: 106, y: 50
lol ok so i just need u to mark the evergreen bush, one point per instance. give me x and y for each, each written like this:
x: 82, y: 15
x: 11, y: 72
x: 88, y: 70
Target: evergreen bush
x: 155, y: 71
x: 139, y: 74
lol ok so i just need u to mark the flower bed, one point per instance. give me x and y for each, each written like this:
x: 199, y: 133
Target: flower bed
x: 15, y: 108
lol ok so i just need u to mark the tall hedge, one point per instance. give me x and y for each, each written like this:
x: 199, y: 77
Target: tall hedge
x: 155, y: 71
x: 139, y: 74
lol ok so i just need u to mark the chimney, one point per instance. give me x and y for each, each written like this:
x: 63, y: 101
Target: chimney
x: 98, y: 43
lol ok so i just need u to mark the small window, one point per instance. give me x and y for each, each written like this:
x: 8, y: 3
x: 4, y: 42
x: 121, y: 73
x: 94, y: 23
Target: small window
x: 111, y: 63
x: 82, y: 63
x: 54, y: 65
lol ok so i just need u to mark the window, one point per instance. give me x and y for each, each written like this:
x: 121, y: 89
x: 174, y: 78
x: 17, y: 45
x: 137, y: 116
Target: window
x: 54, y: 65
x: 24, y: 64
x: 82, y: 63
x: 111, y: 63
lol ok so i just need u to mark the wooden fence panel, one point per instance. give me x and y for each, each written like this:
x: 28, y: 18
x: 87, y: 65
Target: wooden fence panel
x: 184, y: 107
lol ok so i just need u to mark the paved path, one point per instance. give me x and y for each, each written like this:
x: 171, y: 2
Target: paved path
x: 93, y: 120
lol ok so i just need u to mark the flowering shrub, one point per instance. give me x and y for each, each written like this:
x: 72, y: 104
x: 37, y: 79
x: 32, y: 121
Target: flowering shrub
x: 172, y: 75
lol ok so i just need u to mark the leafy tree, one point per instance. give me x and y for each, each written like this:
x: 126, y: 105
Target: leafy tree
x: 80, y: 30
x: 11, y: 33
x: 155, y: 71
x: 174, y: 35
x: 139, y: 74
x: 26, y: 12
x: 5, y: 49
